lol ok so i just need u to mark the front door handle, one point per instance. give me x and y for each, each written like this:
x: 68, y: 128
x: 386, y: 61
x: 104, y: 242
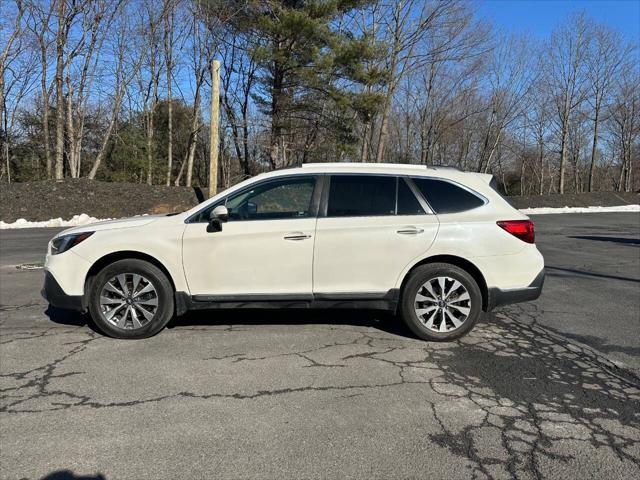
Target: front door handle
x: 295, y: 236
x: 410, y: 231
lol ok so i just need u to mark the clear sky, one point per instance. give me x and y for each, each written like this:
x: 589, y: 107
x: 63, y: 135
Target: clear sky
x: 540, y: 17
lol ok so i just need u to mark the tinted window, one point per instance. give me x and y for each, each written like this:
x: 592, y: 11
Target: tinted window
x: 445, y: 197
x: 288, y: 198
x: 361, y: 196
x: 408, y: 204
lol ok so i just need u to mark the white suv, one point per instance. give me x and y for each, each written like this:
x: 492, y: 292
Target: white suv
x: 436, y: 245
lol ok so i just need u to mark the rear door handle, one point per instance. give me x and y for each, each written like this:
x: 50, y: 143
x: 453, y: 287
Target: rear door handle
x: 410, y: 231
x: 295, y: 236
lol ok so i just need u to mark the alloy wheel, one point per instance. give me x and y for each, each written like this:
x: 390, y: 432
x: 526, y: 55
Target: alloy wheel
x: 442, y: 304
x: 129, y: 301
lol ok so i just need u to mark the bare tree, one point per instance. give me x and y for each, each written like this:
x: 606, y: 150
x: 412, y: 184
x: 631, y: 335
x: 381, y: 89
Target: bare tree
x: 605, y: 58
x: 66, y: 17
x: 168, y: 56
x: 540, y: 124
x: 39, y: 20
x: 126, y: 68
x: 97, y: 19
x: 625, y: 120
x: 407, y: 24
x: 238, y: 79
x: 565, y: 74
x: 200, y: 56
x: 153, y: 63
x: 511, y: 75
x: 6, y: 56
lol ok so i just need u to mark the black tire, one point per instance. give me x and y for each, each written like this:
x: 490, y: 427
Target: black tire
x: 419, y: 277
x: 165, y: 298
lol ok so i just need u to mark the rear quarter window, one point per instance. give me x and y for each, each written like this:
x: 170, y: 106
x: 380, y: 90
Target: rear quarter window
x: 446, y: 197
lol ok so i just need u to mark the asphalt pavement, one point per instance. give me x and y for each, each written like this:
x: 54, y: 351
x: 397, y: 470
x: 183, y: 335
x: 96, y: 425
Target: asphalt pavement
x: 546, y: 389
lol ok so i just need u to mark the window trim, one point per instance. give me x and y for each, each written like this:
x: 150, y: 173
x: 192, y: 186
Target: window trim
x: 324, y: 201
x: 418, y: 194
x: 481, y: 197
x: 313, y: 207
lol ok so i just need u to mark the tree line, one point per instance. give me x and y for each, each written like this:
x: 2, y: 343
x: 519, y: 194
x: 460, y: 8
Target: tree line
x: 118, y: 90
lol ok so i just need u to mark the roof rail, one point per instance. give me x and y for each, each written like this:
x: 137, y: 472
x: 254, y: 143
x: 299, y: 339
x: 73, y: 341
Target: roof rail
x: 444, y: 167
x: 363, y: 165
x: 287, y: 167
x: 367, y: 165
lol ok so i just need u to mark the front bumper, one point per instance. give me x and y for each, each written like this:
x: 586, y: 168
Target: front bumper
x: 498, y: 297
x: 53, y: 293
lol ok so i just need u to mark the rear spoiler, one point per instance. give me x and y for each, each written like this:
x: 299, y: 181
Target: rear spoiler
x: 493, y: 183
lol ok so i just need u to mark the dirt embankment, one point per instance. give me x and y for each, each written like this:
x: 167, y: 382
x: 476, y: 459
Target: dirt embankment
x: 596, y: 199
x: 49, y: 199
x: 44, y: 200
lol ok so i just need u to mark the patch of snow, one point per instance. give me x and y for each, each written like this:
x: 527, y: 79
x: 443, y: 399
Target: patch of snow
x: 75, y: 221
x: 548, y: 210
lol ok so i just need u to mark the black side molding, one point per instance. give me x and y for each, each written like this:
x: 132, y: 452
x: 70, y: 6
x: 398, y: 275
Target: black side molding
x: 52, y: 292
x: 370, y: 301
x: 498, y: 297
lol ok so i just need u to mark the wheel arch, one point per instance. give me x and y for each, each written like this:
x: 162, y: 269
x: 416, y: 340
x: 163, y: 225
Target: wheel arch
x: 460, y: 262
x: 112, y: 257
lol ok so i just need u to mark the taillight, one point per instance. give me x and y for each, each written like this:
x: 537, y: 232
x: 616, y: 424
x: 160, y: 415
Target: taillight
x: 522, y: 229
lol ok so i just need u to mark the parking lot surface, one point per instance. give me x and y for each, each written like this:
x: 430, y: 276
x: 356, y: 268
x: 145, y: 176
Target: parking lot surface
x: 547, y: 389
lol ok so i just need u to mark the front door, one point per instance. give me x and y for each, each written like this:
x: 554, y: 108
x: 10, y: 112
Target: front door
x: 265, y: 249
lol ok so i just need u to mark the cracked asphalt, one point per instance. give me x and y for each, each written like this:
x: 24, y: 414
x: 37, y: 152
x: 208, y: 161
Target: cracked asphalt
x: 548, y: 389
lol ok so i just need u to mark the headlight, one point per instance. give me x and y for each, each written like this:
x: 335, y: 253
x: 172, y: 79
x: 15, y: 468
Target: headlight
x: 67, y: 242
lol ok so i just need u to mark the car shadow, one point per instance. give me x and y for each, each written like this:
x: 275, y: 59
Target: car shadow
x: 383, y: 321
x: 596, y: 238
x: 380, y: 320
x: 72, y: 318
x: 69, y: 475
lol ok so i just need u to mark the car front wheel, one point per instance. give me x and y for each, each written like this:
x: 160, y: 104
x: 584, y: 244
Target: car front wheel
x: 441, y: 302
x: 131, y: 299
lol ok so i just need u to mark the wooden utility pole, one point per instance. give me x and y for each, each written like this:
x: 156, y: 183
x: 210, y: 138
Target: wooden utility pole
x: 215, y: 140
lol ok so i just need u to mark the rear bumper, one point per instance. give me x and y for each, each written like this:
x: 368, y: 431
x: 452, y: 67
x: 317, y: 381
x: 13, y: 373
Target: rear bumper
x: 53, y: 293
x: 498, y: 297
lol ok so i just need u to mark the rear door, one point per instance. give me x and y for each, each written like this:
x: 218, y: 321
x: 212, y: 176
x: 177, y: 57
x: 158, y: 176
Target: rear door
x: 370, y: 227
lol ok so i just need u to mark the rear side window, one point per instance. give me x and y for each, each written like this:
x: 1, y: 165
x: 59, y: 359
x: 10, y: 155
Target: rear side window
x: 361, y: 196
x: 445, y: 197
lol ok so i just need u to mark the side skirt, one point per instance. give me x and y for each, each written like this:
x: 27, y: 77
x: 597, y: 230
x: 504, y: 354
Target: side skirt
x: 366, y: 301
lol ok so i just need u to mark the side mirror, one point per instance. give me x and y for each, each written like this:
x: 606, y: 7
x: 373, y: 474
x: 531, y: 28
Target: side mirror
x: 217, y: 216
x: 220, y: 212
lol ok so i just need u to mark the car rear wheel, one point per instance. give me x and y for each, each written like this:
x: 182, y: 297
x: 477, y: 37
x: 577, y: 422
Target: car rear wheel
x: 131, y: 299
x: 441, y: 302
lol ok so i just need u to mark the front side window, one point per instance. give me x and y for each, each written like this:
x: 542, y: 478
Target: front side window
x: 278, y: 199
x: 446, y: 197
x: 361, y: 196
x: 270, y: 200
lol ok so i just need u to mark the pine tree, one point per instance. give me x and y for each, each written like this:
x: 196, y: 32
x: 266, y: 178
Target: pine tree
x: 312, y: 72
